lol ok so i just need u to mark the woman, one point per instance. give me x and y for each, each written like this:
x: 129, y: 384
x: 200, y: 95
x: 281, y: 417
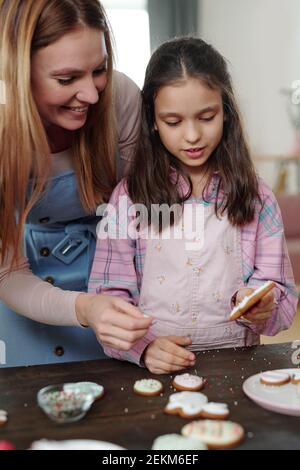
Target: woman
x: 66, y: 129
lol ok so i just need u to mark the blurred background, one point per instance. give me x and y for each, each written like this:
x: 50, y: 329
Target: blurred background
x: 261, y: 41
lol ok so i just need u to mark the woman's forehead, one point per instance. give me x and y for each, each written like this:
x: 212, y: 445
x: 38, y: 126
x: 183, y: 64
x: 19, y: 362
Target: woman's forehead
x: 80, y: 49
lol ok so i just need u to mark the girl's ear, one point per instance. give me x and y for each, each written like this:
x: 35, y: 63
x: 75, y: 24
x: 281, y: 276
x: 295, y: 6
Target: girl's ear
x: 155, y: 126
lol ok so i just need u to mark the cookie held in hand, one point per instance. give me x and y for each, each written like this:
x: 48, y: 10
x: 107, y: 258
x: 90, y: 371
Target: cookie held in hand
x: 250, y: 300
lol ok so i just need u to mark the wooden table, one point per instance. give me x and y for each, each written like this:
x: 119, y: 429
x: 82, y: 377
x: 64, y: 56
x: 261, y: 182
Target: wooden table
x: 133, y: 422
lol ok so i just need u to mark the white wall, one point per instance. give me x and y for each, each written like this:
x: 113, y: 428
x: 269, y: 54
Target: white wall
x: 261, y: 39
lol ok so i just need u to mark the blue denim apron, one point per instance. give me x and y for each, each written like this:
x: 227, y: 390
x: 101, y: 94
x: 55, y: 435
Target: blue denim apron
x: 60, y: 241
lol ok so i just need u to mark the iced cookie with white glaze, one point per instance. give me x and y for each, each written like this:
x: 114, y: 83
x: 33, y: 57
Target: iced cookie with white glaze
x: 250, y: 300
x: 90, y: 388
x: 274, y: 378
x: 188, y: 382
x: 148, y: 387
x: 186, y: 404
x: 3, y: 418
x: 215, y: 434
x: 295, y: 379
x: 74, y: 444
x: 214, y: 410
x: 177, y: 442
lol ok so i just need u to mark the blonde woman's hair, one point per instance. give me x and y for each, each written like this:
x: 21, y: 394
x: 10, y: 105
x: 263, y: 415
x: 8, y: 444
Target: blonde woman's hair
x: 25, y: 27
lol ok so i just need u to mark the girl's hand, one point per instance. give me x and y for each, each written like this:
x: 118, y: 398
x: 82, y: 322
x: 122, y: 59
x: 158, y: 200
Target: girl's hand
x: 116, y: 323
x: 260, y: 312
x: 166, y: 354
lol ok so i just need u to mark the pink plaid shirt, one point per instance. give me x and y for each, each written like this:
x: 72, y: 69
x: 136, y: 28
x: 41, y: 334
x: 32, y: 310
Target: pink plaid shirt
x: 118, y: 266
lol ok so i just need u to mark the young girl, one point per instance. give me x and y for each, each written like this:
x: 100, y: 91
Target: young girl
x: 68, y: 123
x: 192, y: 152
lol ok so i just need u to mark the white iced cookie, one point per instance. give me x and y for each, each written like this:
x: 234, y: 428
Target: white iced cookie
x: 215, y: 434
x: 274, y: 378
x: 214, y: 410
x: 90, y: 388
x: 3, y: 418
x: 177, y: 442
x: 148, y: 387
x: 298, y: 390
x: 296, y: 378
x: 250, y: 300
x: 74, y: 444
x: 188, y: 382
x: 186, y: 404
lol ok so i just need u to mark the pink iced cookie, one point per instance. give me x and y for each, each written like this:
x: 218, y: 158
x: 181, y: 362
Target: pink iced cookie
x: 274, y: 378
x: 6, y: 445
x: 215, y: 434
x: 188, y: 382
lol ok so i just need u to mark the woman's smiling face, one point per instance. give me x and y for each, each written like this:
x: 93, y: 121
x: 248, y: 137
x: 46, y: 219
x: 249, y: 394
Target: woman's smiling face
x: 68, y: 76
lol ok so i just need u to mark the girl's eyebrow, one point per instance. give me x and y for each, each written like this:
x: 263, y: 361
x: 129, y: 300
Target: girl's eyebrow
x: 70, y: 71
x: 208, y: 109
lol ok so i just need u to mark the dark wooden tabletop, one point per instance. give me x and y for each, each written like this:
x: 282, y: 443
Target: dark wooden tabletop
x: 132, y: 421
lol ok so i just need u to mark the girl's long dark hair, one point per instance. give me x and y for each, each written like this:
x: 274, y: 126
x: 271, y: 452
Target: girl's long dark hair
x: 149, y: 179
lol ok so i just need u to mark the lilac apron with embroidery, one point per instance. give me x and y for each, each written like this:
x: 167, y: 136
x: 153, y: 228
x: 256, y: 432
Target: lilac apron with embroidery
x: 187, y: 287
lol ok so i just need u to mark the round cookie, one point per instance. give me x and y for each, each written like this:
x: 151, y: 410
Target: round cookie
x: 177, y: 442
x: 186, y: 404
x: 296, y: 378
x: 3, y: 418
x: 74, y: 444
x: 214, y: 410
x: 188, y: 382
x: 7, y: 445
x: 215, y: 434
x: 90, y: 388
x: 274, y: 378
x: 148, y: 387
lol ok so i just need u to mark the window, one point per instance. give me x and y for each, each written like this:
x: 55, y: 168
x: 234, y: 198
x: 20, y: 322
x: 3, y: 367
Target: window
x: 130, y: 24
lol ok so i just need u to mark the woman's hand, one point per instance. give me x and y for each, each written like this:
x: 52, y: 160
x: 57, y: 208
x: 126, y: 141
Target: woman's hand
x: 116, y: 323
x: 260, y: 312
x: 167, y: 354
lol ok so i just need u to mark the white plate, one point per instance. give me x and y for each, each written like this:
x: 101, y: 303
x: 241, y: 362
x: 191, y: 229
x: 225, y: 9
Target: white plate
x: 284, y: 399
x: 74, y: 444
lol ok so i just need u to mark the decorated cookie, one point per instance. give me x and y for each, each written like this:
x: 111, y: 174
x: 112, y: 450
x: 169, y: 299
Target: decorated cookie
x: 74, y: 444
x: 177, y: 442
x: 215, y: 434
x: 298, y: 390
x: 3, y: 418
x: 188, y: 382
x: 148, y: 387
x: 186, y: 404
x: 215, y: 411
x: 7, y: 445
x: 274, y: 378
x: 90, y: 388
x: 250, y: 300
x: 295, y: 379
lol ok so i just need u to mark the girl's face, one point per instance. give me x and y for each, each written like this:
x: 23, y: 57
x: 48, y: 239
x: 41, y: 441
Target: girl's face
x: 189, y: 118
x: 67, y: 77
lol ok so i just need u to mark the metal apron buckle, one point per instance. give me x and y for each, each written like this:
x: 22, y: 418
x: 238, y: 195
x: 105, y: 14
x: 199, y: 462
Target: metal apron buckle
x: 70, y: 247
